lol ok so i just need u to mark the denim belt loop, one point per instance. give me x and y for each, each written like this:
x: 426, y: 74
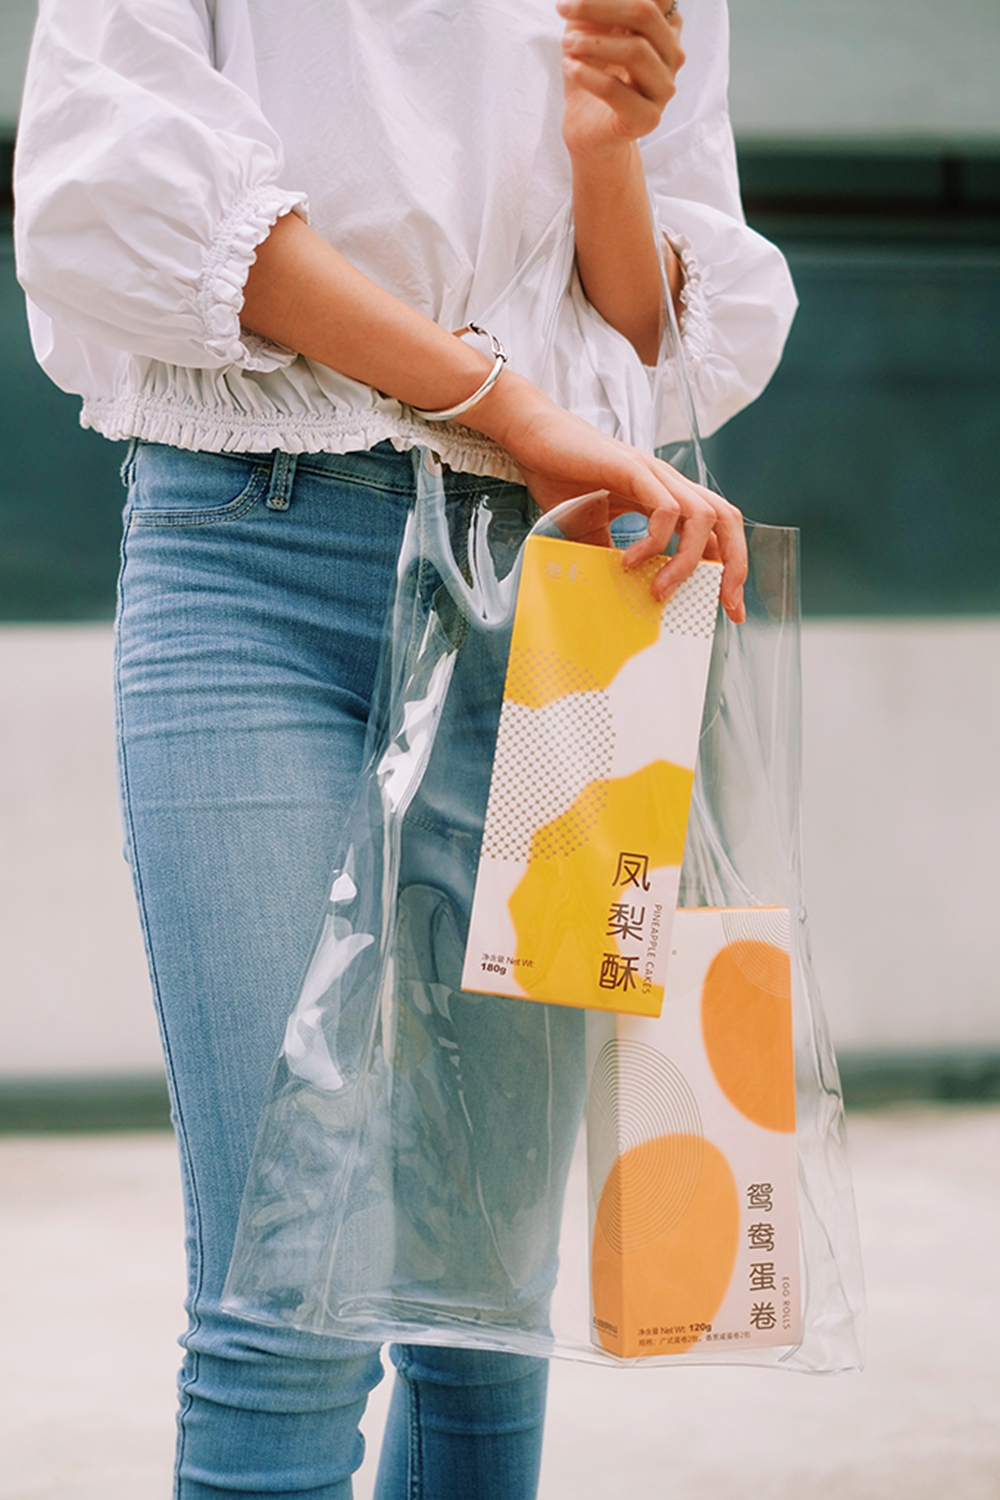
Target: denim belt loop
x: 279, y: 491
x: 127, y: 470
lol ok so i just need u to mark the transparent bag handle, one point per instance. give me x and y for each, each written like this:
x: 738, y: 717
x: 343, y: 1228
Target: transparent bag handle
x: 672, y: 358
x: 484, y: 598
x: 709, y: 872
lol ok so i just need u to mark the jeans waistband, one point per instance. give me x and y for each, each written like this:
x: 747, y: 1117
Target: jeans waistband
x: 381, y: 467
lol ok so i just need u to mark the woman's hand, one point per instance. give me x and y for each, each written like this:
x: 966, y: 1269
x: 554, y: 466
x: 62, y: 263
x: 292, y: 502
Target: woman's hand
x: 561, y: 456
x: 620, y: 65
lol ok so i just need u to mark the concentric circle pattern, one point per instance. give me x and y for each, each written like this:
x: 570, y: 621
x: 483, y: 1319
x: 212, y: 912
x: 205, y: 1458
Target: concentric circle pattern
x: 637, y: 1096
x: 765, y: 924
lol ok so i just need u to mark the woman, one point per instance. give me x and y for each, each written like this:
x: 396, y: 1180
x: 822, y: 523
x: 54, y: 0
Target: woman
x: 246, y: 231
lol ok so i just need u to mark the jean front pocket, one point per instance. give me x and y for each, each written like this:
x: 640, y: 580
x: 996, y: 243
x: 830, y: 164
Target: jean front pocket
x: 175, y: 487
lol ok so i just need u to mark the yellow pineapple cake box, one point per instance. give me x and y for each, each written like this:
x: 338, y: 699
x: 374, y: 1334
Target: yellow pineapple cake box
x: 588, y: 807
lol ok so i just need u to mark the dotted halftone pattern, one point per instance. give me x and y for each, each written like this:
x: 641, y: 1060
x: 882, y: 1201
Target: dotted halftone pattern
x: 548, y: 760
x: 556, y: 757
x: 692, y: 610
x: 636, y: 1096
x: 540, y: 676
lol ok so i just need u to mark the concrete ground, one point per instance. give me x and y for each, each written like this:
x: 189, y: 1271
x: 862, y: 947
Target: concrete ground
x: 89, y: 1307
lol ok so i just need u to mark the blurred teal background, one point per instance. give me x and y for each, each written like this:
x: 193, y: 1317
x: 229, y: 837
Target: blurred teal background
x: 869, y: 142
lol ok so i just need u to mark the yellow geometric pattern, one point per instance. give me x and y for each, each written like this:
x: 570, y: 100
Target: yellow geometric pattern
x: 551, y: 570
x: 560, y: 907
x: 547, y: 759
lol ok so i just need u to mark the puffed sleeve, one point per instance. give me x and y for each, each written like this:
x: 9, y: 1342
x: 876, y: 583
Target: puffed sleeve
x: 738, y: 298
x: 144, y: 180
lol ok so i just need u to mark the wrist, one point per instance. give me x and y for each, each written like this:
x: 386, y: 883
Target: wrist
x: 511, y: 400
x: 450, y: 374
x: 459, y: 408
x: 608, y: 176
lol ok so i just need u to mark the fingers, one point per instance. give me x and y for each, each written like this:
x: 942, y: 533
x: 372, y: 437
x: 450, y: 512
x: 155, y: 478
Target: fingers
x: 624, y: 53
x: 706, y: 525
x: 636, y: 115
x: 643, y: 17
x: 732, y: 550
x: 561, y: 457
x: 726, y: 540
x: 633, y: 59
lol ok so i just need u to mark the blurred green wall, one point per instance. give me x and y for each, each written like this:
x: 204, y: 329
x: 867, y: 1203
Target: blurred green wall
x: 60, y: 496
x: 880, y: 433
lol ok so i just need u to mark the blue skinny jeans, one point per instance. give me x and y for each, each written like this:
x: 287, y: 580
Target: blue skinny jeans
x: 252, y: 599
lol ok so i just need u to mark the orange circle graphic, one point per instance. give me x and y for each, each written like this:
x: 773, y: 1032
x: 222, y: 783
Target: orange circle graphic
x: 658, y: 1297
x: 746, y: 1021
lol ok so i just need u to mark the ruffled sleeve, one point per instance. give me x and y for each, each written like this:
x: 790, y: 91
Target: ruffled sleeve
x: 144, y: 182
x: 228, y: 259
x: 738, y: 300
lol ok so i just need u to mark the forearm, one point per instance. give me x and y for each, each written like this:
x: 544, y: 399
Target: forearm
x: 302, y: 293
x: 617, y: 248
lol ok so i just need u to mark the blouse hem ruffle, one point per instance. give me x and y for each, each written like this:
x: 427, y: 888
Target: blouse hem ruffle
x: 201, y: 429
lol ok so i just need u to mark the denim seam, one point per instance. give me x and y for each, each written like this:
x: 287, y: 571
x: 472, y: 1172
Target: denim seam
x: 323, y: 471
x: 233, y: 511
x: 414, y: 1449
x: 176, y: 1110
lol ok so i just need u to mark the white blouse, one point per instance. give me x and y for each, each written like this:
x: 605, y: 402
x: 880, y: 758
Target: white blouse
x: 160, y: 140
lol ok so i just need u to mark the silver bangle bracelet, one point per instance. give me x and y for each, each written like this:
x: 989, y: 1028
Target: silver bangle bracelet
x: 499, y: 360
